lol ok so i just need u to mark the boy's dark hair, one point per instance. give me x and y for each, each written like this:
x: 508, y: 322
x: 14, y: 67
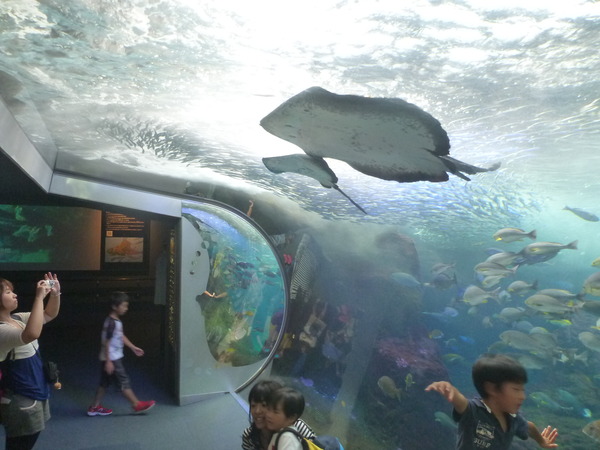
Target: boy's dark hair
x: 116, y: 298
x: 291, y: 400
x: 496, y: 369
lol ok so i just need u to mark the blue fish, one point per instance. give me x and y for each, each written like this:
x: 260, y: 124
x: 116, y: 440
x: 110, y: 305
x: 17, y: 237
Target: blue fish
x: 405, y: 279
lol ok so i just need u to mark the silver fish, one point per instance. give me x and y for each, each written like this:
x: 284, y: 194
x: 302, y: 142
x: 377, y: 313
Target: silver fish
x: 583, y: 214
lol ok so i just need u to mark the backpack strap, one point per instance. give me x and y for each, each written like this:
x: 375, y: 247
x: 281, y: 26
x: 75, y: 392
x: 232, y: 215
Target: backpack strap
x: 293, y: 431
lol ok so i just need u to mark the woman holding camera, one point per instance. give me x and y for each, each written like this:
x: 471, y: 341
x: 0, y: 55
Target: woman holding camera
x: 24, y: 407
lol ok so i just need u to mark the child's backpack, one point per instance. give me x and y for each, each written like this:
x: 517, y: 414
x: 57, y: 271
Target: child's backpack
x: 318, y: 443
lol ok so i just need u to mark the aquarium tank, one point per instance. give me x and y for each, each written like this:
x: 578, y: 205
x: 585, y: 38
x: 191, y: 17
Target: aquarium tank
x: 426, y: 172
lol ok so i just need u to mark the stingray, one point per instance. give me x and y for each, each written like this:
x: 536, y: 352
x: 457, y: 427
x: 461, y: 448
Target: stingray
x: 387, y: 138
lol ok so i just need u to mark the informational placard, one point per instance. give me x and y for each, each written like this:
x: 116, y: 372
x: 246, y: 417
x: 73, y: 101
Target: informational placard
x: 125, y: 240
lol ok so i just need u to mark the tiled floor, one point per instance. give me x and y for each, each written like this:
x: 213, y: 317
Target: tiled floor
x: 214, y: 423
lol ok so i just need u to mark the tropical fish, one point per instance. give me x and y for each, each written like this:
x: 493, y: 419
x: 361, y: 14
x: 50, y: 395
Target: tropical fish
x: 388, y: 387
x: 408, y: 381
x: 542, y: 399
x: 560, y: 294
x: 436, y: 334
x: 467, y: 339
x: 523, y: 325
x: 570, y: 356
x: 530, y: 362
x: 513, y: 234
x: 566, y: 398
x: 547, y: 304
x: 440, y: 268
x: 452, y: 358
x: 545, y: 248
x: 583, y: 214
x: 308, y: 382
x: 498, y: 347
x: 512, y: 314
x: 445, y: 420
x: 487, y: 322
x: 590, y: 340
x: 596, y: 262
x: 492, y: 281
x: 561, y: 322
x: 519, y: 287
x: 593, y: 307
x: 448, y: 313
x: 386, y: 138
x: 592, y: 430
x: 474, y: 295
x: 405, y: 279
x: 503, y: 258
x: 443, y: 281
x: 494, y: 269
x: 544, y: 338
x: 519, y: 340
x: 592, y: 285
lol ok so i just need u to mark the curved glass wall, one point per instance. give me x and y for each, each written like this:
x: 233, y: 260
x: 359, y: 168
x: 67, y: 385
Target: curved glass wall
x: 233, y: 296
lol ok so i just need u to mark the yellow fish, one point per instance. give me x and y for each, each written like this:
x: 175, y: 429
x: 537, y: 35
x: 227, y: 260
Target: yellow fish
x: 436, y: 334
x: 561, y: 322
x: 408, y: 381
x: 596, y: 262
x: 388, y: 387
x: 452, y: 358
x: 592, y: 284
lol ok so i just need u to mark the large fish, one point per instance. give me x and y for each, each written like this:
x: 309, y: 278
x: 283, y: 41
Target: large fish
x: 592, y: 284
x: 387, y: 138
x: 474, y: 295
x: 542, y: 248
x: 539, y: 252
x: 583, y: 214
x: 547, y: 304
x: 519, y: 340
x: 389, y: 388
x: 445, y: 420
x: 590, y: 340
x: 519, y: 287
x: 543, y: 400
x: 513, y: 234
x: 592, y: 430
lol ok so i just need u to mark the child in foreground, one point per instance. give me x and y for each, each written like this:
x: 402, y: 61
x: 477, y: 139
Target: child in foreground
x: 491, y: 422
x: 286, y: 405
x: 111, y: 359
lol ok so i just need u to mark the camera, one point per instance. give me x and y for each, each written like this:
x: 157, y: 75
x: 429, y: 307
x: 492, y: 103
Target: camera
x: 50, y: 283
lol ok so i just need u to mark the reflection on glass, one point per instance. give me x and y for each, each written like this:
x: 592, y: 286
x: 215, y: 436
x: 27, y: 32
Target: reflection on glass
x: 243, y: 296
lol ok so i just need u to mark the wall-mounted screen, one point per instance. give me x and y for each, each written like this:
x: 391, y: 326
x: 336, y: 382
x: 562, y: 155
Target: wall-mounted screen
x: 49, y: 238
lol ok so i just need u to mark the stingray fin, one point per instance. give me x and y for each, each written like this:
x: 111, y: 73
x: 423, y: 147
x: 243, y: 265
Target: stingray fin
x: 337, y: 188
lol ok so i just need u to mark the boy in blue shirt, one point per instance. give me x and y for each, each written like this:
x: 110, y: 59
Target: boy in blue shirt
x: 491, y: 422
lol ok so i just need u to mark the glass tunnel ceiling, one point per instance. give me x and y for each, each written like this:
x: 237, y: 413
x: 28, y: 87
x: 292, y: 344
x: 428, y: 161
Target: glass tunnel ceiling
x: 167, y: 95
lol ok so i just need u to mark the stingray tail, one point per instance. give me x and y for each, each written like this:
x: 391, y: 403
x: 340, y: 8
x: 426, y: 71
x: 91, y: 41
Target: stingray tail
x: 336, y: 187
x: 457, y: 167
